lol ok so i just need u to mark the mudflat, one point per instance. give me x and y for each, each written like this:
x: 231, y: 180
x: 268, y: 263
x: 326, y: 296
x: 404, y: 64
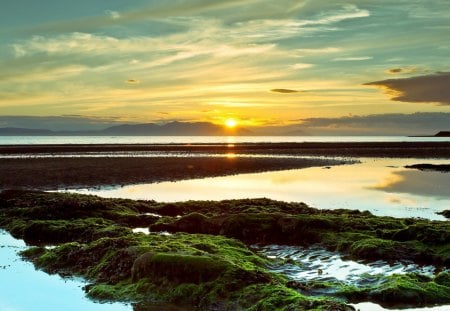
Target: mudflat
x: 72, y: 166
x: 60, y: 173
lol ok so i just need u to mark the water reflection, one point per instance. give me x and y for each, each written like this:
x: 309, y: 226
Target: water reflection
x: 304, y: 264
x: 380, y: 186
x: 424, y: 183
x: 24, y: 288
x: 369, y: 306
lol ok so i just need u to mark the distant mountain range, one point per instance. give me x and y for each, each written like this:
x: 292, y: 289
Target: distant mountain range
x: 171, y: 129
x: 147, y: 129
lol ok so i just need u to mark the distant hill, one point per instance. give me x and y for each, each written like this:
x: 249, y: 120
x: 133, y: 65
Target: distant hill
x: 146, y: 129
x: 16, y: 131
x: 443, y: 134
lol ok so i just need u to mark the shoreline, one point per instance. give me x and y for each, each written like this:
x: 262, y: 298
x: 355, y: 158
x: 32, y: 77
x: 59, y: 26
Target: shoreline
x: 53, y: 167
x: 62, y: 173
x: 344, y: 149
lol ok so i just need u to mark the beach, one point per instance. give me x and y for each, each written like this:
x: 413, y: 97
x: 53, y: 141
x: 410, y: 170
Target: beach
x: 205, y: 254
x: 71, y: 166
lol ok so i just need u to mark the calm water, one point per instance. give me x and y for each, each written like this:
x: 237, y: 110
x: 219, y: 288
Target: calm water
x: 33, y: 140
x: 22, y: 288
x: 381, y: 186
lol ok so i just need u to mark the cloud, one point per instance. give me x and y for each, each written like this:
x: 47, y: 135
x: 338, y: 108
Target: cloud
x: 350, y: 59
x: 399, y: 70
x: 434, y: 88
x: 284, y: 91
x: 395, y: 70
x: 228, y: 11
x: 301, y: 66
x: 157, y: 10
x: 420, y: 123
x: 132, y: 81
x: 113, y: 14
x: 319, y: 50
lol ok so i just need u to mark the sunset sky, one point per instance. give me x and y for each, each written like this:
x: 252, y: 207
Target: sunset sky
x: 261, y: 62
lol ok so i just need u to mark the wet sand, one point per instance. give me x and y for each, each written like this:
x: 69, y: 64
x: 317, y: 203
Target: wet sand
x: 59, y: 171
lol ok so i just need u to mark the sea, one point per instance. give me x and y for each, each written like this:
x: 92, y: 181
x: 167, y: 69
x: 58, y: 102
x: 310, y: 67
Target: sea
x: 37, y: 140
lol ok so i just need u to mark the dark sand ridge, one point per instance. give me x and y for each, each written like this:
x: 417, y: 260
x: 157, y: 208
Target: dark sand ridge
x: 60, y: 173
x: 71, y: 172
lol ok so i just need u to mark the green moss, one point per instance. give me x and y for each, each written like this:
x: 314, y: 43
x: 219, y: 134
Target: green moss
x: 410, y: 289
x: 373, y: 248
x: 206, y: 262
x: 443, y: 279
x: 122, y: 291
x: 179, y: 268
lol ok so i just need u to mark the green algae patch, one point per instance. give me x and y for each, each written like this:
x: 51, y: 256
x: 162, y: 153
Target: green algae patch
x: 359, y: 235
x: 203, y: 259
x: 411, y: 289
x: 178, y: 268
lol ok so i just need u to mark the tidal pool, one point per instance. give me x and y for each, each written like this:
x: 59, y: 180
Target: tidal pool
x: 23, y: 288
x: 304, y: 264
x: 380, y: 185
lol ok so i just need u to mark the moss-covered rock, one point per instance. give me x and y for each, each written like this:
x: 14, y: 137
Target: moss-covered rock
x: 206, y: 263
x: 410, y: 289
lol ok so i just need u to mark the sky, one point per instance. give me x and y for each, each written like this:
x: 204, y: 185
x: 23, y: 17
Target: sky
x: 261, y: 62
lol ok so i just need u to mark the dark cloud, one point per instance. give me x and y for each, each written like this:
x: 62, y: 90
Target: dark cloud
x: 284, y: 91
x: 426, y: 123
x: 132, y: 81
x: 395, y: 70
x: 406, y: 70
x: 434, y: 88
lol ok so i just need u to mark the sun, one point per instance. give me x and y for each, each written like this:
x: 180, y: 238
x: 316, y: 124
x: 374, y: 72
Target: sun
x: 230, y: 123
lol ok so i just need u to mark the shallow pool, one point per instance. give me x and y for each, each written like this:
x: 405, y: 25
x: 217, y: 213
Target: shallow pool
x: 381, y: 186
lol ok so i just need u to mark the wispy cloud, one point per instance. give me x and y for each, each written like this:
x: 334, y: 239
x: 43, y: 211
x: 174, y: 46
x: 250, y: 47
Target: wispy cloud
x: 350, y: 59
x: 324, y: 50
x: 113, y: 14
x: 302, y: 66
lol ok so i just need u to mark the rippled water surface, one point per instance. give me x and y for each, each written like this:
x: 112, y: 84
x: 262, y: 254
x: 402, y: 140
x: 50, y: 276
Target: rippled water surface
x: 303, y: 264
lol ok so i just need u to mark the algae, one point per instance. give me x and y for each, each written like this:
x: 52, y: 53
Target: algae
x: 206, y: 262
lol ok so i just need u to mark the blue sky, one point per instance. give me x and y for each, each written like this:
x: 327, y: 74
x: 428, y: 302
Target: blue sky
x: 260, y: 62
